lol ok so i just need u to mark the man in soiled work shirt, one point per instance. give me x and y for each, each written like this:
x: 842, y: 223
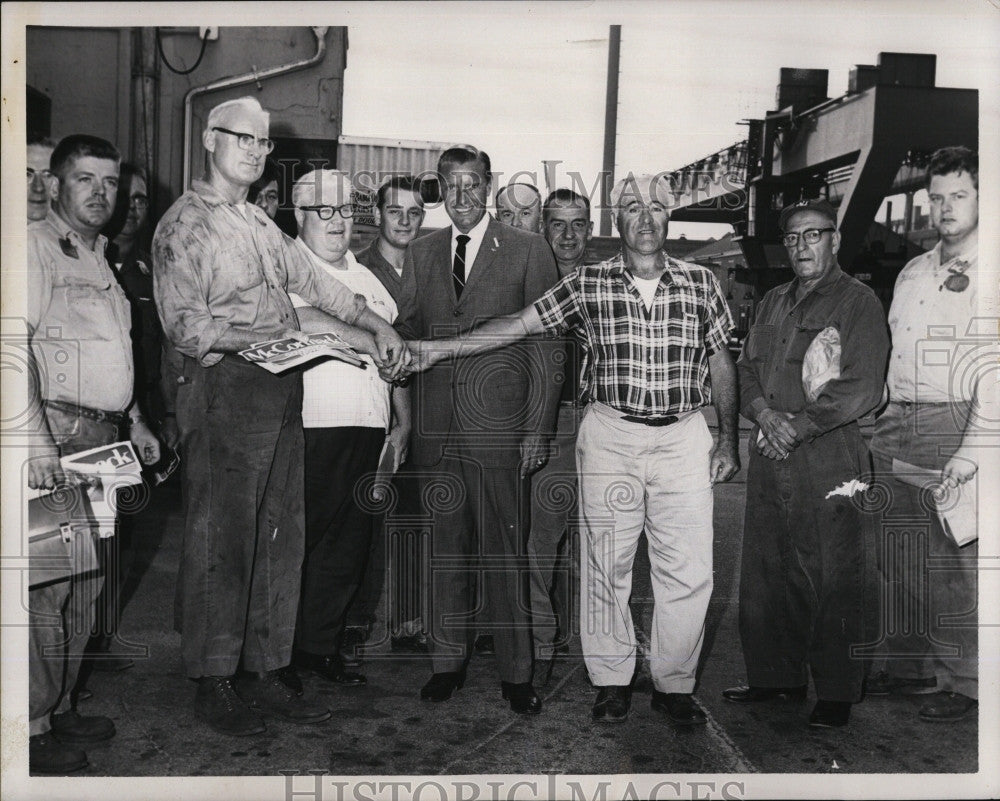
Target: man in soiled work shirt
x: 808, y: 567
x: 222, y: 273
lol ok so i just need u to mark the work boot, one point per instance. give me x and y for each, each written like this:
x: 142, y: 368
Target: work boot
x: 946, y: 707
x: 217, y: 703
x: 72, y: 727
x: 47, y: 755
x: 267, y: 694
x: 883, y: 684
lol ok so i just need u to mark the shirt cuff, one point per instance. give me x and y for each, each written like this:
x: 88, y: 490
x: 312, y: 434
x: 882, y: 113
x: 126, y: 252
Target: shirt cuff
x: 754, y: 408
x: 804, y: 427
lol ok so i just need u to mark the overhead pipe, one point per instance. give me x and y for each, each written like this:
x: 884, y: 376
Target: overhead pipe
x: 237, y: 80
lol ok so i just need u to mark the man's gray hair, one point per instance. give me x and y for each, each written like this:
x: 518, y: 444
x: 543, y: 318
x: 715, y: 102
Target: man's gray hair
x: 653, y: 185
x: 218, y: 114
x: 308, y: 190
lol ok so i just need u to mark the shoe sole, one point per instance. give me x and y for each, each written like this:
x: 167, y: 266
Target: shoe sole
x: 818, y: 725
x: 952, y: 719
x: 605, y: 719
x: 230, y: 732
x: 781, y: 697
x: 70, y: 739
x: 328, y: 680
x: 61, y: 772
x: 678, y: 722
x: 289, y: 719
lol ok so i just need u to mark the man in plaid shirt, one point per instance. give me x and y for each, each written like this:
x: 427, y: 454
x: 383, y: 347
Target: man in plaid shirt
x: 657, y: 331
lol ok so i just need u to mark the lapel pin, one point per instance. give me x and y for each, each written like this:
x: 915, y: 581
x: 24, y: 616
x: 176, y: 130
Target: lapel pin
x: 496, y: 242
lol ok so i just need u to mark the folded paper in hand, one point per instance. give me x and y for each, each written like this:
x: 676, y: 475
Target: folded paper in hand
x: 821, y: 362
x: 956, y: 507
x: 278, y: 355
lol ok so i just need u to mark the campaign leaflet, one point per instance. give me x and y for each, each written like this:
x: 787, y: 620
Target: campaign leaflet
x: 116, y: 463
x: 279, y: 355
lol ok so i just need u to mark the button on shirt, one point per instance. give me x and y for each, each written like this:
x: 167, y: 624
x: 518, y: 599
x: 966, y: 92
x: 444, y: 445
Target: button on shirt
x: 80, y: 319
x: 217, y: 266
x: 646, y: 363
x: 770, y: 366
x: 931, y: 336
x: 335, y: 393
x: 472, y: 246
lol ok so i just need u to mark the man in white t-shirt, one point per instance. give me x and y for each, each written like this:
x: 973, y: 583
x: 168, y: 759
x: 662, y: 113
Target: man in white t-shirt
x: 345, y: 414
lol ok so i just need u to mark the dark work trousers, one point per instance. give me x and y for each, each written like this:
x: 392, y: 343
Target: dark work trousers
x: 405, y: 535
x: 807, y: 583
x: 478, y: 540
x: 929, y: 619
x: 338, y: 530
x: 61, y: 614
x: 238, y: 586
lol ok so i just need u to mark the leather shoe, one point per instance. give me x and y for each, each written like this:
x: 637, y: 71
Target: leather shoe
x: 612, y: 704
x: 442, y: 685
x: 410, y: 644
x: 681, y: 708
x: 47, y: 755
x: 72, y: 727
x: 542, y: 672
x: 267, y: 695
x: 331, y: 668
x: 289, y: 676
x: 484, y: 644
x: 522, y: 696
x: 947, y: 707
x: 830, y: 714
x: 883, y: 684
x: 745, y: 694
x: 217, y: 703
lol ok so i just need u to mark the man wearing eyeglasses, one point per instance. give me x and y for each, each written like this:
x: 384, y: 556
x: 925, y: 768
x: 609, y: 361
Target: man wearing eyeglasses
x: 938, y: 405
x: 39, y: 178
x: 808, y: 551
x: 222, y: 273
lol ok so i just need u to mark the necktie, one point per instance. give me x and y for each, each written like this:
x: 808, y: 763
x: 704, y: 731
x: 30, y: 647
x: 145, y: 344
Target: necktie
x: 458, y: 268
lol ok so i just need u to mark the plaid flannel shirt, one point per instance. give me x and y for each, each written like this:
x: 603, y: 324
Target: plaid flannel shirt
x: 644, y: 363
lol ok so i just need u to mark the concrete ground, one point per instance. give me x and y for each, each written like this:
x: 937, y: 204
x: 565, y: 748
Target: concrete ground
x: 384, y: 728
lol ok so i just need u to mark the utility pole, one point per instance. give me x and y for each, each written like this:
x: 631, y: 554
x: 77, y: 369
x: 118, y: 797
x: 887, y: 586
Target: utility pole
x: 610, y: 128
x: 145, y: 104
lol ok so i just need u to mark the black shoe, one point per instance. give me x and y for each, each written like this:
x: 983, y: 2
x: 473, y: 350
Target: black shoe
x: 217, y: 703
x: 47, y: 755
x: 681, y: 708
x: 410, y: 644
x: 946, y: 707
x: 330, y: 668
x: 290, y: 678
x: 612, y: 704
x: 266, y: 694
x: 750, y: 695
x: 882, y: 684
x: 542, y: 672
x: 484, y: 645
x: 523, y: 698
x: 72, y: 727
x: 442, y: 685
x: 830, y: 714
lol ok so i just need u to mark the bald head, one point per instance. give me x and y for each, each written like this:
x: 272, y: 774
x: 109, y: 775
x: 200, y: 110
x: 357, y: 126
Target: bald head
x: 520, y: 206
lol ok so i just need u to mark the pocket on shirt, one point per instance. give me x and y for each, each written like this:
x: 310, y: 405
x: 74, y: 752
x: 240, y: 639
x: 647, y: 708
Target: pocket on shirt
x: 243, y: 266
x: 759, y: 340
x: 802, y: 338
x: 685, y: 331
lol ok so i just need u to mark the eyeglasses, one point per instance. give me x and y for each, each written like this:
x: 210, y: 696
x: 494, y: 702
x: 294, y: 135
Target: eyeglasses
x: 42, y: 175
x: 810, y: 236
x: 247, y: 141
x: 139, y: 201
x: 326, y: 212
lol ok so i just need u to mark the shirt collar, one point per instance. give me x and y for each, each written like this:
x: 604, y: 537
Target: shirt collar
x: 477, y: 233
x: 824, y: 287
x: 211, y: 197
x: 972, y: 254
x: 63, y: 231
x: 674, y: 274
x: 349, y: 258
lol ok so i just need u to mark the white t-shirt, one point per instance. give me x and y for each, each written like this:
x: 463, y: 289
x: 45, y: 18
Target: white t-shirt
x: 337, y: 394
x: 647, y: 288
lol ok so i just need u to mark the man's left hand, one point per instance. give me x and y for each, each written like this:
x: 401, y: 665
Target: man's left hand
x: 399, y: 438
x: 146, y: 443
x: 724, y: 462
x: 959, y: 469
x: 534, y: 453
x: 392, y: 351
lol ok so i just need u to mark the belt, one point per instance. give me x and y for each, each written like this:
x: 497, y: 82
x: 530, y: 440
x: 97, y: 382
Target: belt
x: 99, y: 415
x: 651, y: 421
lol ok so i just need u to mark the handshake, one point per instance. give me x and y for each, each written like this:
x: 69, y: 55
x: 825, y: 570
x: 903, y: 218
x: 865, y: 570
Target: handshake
x: 414, y: 356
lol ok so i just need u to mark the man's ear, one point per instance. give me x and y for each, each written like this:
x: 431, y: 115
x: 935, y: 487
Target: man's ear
x: 299, y: 217
x: 835, y: 242
x: 378, y: 217
x: 208, y: 140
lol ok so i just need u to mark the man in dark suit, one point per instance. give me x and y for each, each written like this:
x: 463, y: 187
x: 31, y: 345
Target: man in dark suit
x: 480, y: 427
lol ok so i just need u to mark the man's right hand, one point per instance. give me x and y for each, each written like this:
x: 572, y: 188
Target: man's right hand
x: 778, y: 430
x: 44, y: 469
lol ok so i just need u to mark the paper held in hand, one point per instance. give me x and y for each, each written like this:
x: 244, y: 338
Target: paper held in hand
x: 279, y: 355
x: 956, y: 508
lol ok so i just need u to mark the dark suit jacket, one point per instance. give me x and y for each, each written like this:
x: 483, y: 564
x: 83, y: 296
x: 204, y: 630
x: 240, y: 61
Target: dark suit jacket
x: 483, y: 405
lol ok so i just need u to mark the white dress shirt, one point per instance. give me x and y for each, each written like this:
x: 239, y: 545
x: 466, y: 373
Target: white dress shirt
x: 472, y: 246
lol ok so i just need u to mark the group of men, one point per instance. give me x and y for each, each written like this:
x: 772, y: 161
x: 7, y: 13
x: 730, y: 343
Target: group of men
x: 595, y: 375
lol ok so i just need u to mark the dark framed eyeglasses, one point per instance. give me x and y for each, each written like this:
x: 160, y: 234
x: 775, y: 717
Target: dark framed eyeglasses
x: 810, y: 236
x: 247, y: 141
x: 326, y: 212
x: 139, y: 201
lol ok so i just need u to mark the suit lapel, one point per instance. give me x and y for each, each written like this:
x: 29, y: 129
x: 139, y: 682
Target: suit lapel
x: 488, y: 250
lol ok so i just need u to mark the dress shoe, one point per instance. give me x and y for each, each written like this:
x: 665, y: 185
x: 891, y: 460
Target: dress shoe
x: 72, y: 727
x: 217, y: 703
x: 330, y: 668
x: 410, y: 644
x: 442, y: 685
x: 522, y: 696
x: 612, y: 704
x: 266, y: 694
x: 541, y: 674
x: 946, y: 707
x: 47, y: 755
x: 289, y: 676
x: 681, y: 708
x: 830, y: 714
x: 750, y: 694
x: 882, y: 684
x: 484, y: 645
